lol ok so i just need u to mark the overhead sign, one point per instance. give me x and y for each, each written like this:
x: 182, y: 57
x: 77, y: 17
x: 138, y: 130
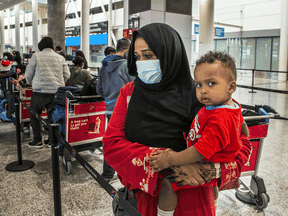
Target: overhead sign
x: 196, y: 28
x: 218, y: 31
x: 73, y: 31
x: 99, y: 27
x: 134, y: 23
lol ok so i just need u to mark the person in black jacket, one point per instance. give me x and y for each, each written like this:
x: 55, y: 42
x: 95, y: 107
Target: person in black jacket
x: 17, y: 58
x: 58, y: 50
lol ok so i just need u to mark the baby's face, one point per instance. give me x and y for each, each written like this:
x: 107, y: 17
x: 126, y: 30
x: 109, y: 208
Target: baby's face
x: 212, y: 84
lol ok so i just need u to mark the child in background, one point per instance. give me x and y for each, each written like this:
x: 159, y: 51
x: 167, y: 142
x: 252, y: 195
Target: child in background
x: 215, y: 131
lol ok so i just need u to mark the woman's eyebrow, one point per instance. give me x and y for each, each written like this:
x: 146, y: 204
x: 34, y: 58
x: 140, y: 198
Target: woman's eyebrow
x: 146, y: 50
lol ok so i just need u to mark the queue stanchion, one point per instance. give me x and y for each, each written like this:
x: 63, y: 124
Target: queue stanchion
x: 55, y: 169
x: 253, y: 77
x: 19, y: 165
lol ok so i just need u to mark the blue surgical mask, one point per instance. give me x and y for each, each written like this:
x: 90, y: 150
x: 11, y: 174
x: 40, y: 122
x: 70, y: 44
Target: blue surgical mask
x: 149, y: 71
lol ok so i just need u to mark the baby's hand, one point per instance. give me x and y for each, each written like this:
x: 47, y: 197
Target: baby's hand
x: 160, y: 160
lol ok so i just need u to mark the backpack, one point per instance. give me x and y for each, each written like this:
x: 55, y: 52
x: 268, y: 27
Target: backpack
x: 60, y: 95
x: 89, y: 87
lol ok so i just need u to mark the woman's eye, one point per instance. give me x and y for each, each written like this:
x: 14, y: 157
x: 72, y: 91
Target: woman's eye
x: 198, y: 85
x: 211, y: 83
x: 137, y: 57
x: 148, y: 56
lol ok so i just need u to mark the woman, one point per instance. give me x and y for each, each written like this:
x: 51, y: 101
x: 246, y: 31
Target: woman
x: 153, y: 112
x: 17, y: 58
x: 80, y: 53
x: 78, y: 74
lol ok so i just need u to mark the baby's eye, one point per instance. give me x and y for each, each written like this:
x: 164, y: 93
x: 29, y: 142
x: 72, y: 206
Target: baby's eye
x: 198, y: 85
x: 211, y: 83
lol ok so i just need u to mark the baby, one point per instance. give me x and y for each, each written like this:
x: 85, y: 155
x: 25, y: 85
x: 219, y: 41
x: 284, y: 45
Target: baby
x: 215, y: 131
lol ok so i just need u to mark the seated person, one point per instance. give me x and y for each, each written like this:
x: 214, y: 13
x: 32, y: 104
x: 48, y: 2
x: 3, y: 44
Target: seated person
x: 78, y: 74
x: 7, y: 69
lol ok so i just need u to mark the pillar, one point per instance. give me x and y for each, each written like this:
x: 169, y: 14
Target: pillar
x: 206, y: 26
x: 35, y: 24
x: 85, y: 38
x: 56, y: 22
x: 283, y: 53
x: 2, y: 45
x: 24, y: 32
x: 126, y: 14
x: 176, y: 13
x: 8, y: 25
x: 17, y: 27
x: 40, y: 16
x: 110, y: 24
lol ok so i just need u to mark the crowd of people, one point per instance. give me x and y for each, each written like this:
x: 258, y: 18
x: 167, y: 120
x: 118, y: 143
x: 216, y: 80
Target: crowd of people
x: 172, y: 140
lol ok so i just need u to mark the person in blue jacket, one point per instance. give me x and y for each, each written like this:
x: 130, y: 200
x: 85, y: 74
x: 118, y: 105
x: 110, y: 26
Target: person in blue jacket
x: 112, y: 76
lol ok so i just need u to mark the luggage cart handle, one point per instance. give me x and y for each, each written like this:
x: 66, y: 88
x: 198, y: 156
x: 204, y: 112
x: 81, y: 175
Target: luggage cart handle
x: 70, y: 95
x: 258, y: 117
x: 270, y: 109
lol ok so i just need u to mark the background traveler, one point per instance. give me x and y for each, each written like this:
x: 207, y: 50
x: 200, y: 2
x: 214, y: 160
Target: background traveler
x: 58, y: 50
x: 46, y: 72
x: 109, y: 51
x: 112, y: 76
x: 80, y: 53
x: 78, y: 74
x: 17, y: 58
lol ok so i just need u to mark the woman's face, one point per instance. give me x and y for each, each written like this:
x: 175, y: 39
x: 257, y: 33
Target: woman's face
x: 142, y: 51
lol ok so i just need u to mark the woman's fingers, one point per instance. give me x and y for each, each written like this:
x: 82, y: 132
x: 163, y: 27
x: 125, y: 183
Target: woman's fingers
x: 175, y: 179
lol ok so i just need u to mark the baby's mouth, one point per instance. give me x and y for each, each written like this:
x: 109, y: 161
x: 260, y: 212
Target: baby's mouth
x: 205, y: 100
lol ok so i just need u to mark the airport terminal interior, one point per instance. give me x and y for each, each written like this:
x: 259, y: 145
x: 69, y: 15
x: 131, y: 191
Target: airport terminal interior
x: 253, y: 32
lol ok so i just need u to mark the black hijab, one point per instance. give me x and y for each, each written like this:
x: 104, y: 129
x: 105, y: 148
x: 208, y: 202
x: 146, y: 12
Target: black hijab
x: 46, y: 42
x: 158, y: 114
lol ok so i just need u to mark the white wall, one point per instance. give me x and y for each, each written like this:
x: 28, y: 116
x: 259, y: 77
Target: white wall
x: 257, y: 14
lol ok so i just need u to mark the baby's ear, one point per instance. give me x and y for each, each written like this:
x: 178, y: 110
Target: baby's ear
x: 232, y: 87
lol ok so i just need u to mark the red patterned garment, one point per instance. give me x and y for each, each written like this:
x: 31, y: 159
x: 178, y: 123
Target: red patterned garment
x: 131, y: 161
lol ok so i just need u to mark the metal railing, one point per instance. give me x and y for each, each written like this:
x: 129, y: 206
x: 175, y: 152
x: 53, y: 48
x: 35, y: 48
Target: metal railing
x: 261, y: 88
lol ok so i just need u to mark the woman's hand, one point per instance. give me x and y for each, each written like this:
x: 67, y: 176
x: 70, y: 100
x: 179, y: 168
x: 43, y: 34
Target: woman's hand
x: 193, y: 174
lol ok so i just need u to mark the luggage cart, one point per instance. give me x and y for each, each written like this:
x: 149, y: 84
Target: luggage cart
x: 85, y: 124
x: 25, y: 94
x: 255, y: 193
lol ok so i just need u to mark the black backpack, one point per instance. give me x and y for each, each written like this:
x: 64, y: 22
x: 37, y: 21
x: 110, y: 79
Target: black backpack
x: 89, y: 87
x: 60, y: 95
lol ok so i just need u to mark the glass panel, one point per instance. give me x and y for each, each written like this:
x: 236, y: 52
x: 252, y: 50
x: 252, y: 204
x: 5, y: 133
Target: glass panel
x: 221, y: 45
x: 263, y: 53
x: 235, y: 50
x: 248, y: 53
x: 275, y: 53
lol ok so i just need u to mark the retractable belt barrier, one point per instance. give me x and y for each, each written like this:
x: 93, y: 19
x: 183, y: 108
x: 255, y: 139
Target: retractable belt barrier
x: 54, y: 134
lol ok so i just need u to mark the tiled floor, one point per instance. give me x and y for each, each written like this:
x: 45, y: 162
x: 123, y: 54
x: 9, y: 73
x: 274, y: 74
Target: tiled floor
x: 31, y: 192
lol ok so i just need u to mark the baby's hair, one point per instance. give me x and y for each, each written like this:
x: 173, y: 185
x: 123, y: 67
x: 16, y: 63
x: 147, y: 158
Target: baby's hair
x: 226, y: 60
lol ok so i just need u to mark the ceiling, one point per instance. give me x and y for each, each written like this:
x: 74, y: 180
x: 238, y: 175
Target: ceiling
x: 24, y: 4
x: 4, y: 4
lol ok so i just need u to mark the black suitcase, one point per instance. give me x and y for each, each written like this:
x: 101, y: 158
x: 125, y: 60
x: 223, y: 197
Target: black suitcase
x: 60, y: 96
